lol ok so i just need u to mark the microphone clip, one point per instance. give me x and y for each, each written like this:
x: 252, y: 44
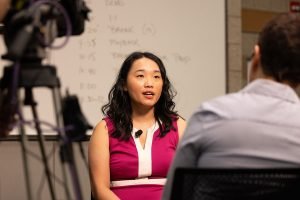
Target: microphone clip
x: 138, y: 133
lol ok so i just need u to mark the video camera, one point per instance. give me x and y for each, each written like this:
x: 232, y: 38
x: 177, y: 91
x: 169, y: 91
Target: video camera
x: 32, y: 25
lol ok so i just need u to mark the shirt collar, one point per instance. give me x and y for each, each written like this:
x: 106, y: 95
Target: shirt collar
x: 271, y: 88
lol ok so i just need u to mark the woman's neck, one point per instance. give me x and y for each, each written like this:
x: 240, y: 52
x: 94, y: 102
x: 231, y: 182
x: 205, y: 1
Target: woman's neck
x: 143, y: 118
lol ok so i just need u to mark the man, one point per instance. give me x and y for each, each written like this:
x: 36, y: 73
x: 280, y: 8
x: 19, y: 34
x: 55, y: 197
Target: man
x: 258, y: 127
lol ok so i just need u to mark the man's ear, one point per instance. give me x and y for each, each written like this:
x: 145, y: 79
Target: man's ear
x: 4, y: 7
x: 255, y: 63
x: 256, y: 55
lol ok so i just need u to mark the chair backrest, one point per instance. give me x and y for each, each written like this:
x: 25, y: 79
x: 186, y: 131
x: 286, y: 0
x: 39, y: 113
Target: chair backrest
x: 236, y: 184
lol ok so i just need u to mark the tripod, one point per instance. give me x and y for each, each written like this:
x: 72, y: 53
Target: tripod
x: 34, y: 75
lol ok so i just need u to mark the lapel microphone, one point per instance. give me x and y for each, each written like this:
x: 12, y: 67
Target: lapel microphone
x: 138, y: 133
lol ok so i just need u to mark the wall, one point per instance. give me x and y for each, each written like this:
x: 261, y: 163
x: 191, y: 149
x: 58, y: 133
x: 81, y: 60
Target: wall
x: 234, y: 44
x: 12, y: 177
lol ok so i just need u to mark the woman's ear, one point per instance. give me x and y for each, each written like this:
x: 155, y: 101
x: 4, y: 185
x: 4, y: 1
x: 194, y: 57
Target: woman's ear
x: 125, y: 87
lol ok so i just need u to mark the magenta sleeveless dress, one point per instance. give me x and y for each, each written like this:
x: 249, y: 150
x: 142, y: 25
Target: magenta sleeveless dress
x: 138, y: 173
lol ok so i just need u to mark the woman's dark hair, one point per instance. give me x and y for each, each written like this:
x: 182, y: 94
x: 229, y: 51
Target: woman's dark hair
x: 119, y: 110
x: 279, y: 43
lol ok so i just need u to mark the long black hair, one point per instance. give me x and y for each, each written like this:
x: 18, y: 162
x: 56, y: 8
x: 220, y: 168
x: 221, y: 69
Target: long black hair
x: 119, y: 110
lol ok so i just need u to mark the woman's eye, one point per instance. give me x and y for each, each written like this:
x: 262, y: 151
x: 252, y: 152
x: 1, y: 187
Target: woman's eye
x: 140, y: 76
x: 157, y: 77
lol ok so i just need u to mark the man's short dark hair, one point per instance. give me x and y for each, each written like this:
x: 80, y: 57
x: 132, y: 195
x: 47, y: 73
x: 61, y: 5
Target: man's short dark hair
x: 279, y: 43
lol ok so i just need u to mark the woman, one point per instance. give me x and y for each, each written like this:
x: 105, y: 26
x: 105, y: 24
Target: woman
x: 131, y: 149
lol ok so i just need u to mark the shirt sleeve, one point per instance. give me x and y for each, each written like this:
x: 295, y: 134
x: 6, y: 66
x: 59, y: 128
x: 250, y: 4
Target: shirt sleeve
x: 186, y: 153
x: 191, y: 146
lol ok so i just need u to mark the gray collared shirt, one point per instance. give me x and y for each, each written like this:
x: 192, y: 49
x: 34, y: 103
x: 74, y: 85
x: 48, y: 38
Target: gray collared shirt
x: 255, y: 128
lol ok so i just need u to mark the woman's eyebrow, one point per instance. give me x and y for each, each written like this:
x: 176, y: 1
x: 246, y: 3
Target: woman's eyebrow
x: 143, y: 70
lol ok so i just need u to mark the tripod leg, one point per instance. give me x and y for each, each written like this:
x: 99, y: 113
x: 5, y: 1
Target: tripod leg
x: 66, y: 146
x: 23, y: 140
x: 29, y: 95
x: 60, y: 125
x: 64, y: 174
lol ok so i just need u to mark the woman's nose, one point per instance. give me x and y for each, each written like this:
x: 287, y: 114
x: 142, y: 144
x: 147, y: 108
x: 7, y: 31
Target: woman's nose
x: 148, y: 82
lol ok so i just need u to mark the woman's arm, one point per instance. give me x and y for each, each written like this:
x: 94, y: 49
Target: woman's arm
x: 181, y: 124
x: 98, y: 155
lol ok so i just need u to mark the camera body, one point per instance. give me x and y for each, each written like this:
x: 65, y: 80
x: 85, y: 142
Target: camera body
x: 32, y: 25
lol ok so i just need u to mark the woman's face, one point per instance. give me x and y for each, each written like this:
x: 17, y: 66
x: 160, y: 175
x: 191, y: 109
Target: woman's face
x: 144, y: 83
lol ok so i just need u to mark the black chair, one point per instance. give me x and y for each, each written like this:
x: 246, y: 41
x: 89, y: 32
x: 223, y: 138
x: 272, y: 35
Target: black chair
x: 236, y: 184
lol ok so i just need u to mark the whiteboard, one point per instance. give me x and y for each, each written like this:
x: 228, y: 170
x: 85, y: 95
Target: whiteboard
x: 189, y: 37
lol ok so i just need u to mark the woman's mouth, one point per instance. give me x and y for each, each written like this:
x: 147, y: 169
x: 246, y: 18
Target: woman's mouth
x: 148, y: 94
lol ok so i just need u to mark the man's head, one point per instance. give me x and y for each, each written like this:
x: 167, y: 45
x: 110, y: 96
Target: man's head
x: 277, y: 53
x: 4, y: 5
